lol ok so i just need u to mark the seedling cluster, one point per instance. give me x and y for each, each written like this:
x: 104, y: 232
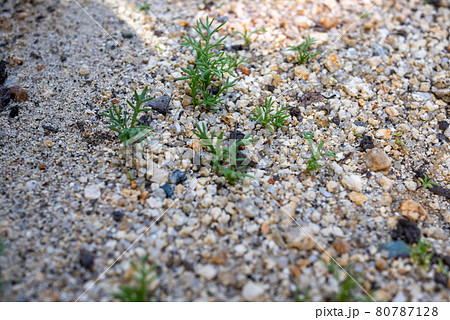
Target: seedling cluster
x: 302, y: 50
x: 270, y: 117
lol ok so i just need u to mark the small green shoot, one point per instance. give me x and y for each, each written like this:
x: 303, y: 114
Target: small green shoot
x: 347, y: 286
x: 442, y: 268
x: 420, y: 255
x: 210, y: 75
x: 270, y: 117
x: 426, y: 183
x: 130, y: 176
x: 124, y: 124
x: 145, y: 7
x: 246, y: 35
x: 397, y: 139
x: 221, y: 154
x: 357, y: 134
x: 313, y: 162
x: 302, y: 50
x: 140, y: 288
x: 301, y: 297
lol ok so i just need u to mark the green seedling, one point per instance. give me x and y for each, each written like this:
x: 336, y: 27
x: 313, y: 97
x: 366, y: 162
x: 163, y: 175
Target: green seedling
x: 211, y: 74
x: 246, y: 35
x: 426, y: 183
x: 269, y: 117
x: 221, y: 154
x: 397, y: 139
x: 347, y: 286
x: 130, y: 176
x: 420, y: 255
x: 145, y: 7
x: 442, y: 268
x: 301, y: 297
x: 125, y: 125
x: 302, y: 50
x: 139, y: 290
x: 313, y: 162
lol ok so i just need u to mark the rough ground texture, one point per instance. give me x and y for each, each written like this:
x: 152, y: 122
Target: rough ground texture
x: 68, y: 208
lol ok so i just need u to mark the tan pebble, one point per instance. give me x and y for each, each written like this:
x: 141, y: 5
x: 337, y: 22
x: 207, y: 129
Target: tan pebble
x: 328, y: 21
x: 295, y: 271
x: 183, y: 23
x: 40, y: 67
x: 332, y: 63
x: 133, y: 184
x: 143, y: 196
x: 301, y: 72
x: 381, y: 264
x: 42, y: 166
x: 332, y: 186
x: 377, y: 160
x: 265, y: 227
x: 425, y: 87
x: 413, y: 210
x: 49, y: 143
x: 357, y: 198
x: 186, y: 101
x: 385, y: 200
x: 340, y: 246
x: 276, y: 80
x: 246, y: 71
x: 383, y: 134
x: 386, y: 183
x: 392, y: 111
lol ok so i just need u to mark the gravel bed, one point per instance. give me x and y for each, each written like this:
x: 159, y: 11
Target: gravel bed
x: 378, y: 94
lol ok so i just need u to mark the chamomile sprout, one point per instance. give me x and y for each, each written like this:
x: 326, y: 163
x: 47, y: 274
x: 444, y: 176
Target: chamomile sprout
x: 211, y: 74
x: 246, y: 35
x: 316, y: 154
x: 420, y: 254
x: 227, y: 160
x: 426, y: 183
x: 270, y: 117
x: 302, y: 50
x: 123, y: 123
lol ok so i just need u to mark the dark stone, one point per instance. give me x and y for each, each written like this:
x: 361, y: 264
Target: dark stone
x: 311, y: 97
x: 214, y: 90
x: 14, y: 112
x: 63, y: 58
x: 168, y: 189
x: 245, y: 162
x: 49, y: 128
x: 127, y: 34
x: 366, y: 143
x: 271, y: 88
x: 3, y: 72
x: 407, y: 231
x: 5, y: 97
x: 295, y: 112
x: 441, y: 278
x: 443, y: 125
x: 236, y: 135
x: 336, y: 121
x: 442, y: 138
x: 360, y: 123
x: 86, y: 260
x: 145, y: 120
x: 118, y: 215
x: 434, y: 3
x: 446, y: 260
x: 35, y: 55
x: 177, y: 177
x: 160, y: 104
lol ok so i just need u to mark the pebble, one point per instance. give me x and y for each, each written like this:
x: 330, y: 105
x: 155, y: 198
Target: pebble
x: 84, y: 71
x: 177, y: 177
x: 352, y: 182
x: 92, y: 192
x: 208, y: 271
x: 253, y: 291
x: 247, y: 208
x: 332, y: 63
x: 31, y: 185
x: 413, y: 210
x: 357, y: 198
x: 377, y: 160
x: 49, y: 143
x: 297, y: 238
x: 86, y: 260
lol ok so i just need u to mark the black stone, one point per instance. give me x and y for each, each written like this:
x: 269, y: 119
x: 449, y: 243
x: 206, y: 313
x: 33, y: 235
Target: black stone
x: 177, y: 177
x: 336, y: 121
x: 86, y: 260
x: 407, y: 231
x: 168, y: 189
x: 14, y: 112
x: 3, y: 72
x: 441, y: 278
x: 118, y: 215
x: 443, y: 125
x: 5, y: 97
x: 271, y: 88
x: 366, y: 143
x: 160, y: 104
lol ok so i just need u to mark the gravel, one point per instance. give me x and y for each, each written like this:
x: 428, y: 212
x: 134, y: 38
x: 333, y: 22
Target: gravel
x: 378, y: 97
